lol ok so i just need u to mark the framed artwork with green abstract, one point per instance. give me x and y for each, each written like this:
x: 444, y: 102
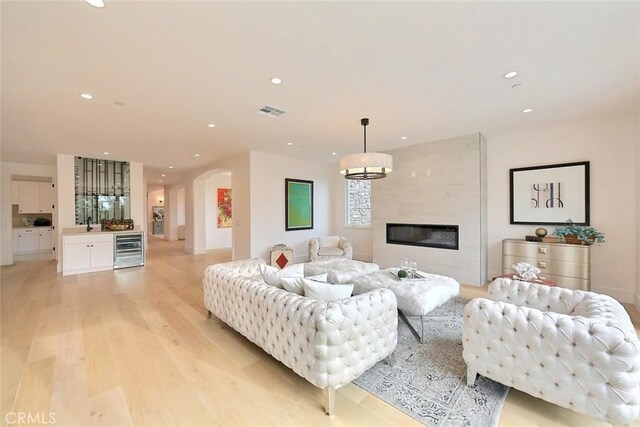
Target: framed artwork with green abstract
x: 298, y: 204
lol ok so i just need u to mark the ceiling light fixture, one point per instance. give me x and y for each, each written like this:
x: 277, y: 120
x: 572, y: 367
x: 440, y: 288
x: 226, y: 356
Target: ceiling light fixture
x: 170, y: 167
x: 527, y: 110
x: 86, y: 96
x: 510, y: 74
x: 159, y: 180
x: 403, y: 138
x: 163, y: 175
x: 106, y: 153
x: 196, y: 155
x: 211, y: 125
x: 276, y: 81
x: 289, y: 143
x: 95, y: 3
x: 333, y: 154
x: 366, y: 165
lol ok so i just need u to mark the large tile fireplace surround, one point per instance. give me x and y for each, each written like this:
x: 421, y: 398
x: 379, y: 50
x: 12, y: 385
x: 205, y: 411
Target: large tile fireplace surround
x: 432, y: 209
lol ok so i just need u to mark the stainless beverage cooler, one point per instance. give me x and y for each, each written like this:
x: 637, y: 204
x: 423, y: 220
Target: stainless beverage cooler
x: 128, y: 250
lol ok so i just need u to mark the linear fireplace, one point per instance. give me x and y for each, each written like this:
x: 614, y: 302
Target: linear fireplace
x: 428, y: 235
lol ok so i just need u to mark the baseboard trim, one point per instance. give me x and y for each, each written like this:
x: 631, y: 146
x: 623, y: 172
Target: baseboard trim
x: 622, y: 295
x: 195, y: 251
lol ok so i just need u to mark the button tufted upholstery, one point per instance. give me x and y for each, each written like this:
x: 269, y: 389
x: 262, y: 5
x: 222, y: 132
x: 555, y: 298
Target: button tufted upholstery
x: 328, y: 343
x: 340, y: 270
x: 576, y: 349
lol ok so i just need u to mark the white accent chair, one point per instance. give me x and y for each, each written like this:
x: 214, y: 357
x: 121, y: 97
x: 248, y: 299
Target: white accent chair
x: 576, y: 349
x: 329, y: 247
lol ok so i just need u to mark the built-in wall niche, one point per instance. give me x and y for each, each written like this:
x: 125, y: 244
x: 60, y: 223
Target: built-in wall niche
x: 102, y: 190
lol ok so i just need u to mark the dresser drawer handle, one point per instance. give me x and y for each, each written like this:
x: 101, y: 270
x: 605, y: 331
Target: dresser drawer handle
x: 542, y: 250
x: 542, y: 264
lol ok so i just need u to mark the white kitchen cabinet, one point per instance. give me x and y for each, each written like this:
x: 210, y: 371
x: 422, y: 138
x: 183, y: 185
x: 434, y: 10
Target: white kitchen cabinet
x: 32, y: 197
x: 15, y: 241
x: 29, y: 198
x: 15, y: 192
x: 46, y: 197
x: 85, y: 253
x: 32, y: 240
x: 46, y: 239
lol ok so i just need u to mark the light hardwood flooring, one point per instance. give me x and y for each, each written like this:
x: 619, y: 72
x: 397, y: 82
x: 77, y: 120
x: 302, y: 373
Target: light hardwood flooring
x: 134, y: 347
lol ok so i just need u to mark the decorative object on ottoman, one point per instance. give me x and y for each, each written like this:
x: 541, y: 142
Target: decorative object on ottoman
x: 526, y: 271
x: 579, y: 235
x: 427, y: 381
x: 576, y: 349
x: 327, y: 343
x: 329, y: 247
x: 541, y: 231
x: 416, y: 297
x: 281, y: 255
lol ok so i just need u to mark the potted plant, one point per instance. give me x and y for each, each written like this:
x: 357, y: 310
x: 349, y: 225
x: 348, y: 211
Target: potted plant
x: 578, y: 234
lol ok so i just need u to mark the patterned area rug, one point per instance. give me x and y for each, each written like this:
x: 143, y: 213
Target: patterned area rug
x: 428, y: 381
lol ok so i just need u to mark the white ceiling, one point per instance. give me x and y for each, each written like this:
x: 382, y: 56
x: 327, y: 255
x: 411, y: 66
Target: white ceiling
x: 424, y: 70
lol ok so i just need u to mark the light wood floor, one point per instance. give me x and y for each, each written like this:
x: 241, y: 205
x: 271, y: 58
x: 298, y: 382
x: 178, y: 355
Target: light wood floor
x: 134, y: 347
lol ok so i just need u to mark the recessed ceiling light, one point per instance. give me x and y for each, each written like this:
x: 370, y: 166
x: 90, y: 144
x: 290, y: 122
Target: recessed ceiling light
x: 516, y: 85
x: 86, y: 96
x: 510, y: 74
x: 211, y: 125
x: 527, y: 110
x: 159, y: 180
x: 196, y: 155
x: 289, y: 143
x: 95, y: 3
x: 170, y: 167
x: 106, y: 153
x: 403, y: 138
x: 333, y: 154
x: 276, y: 81
x: 163, y: 175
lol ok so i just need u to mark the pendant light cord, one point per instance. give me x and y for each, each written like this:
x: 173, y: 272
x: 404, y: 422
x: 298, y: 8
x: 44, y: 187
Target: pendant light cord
x: 365, y: 138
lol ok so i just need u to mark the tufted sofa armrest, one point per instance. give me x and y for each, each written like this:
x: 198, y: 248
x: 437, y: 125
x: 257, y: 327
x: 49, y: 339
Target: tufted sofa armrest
x: 542, y: 297
x: 589, y: 366
x: 314, y: 247
x: 345, y: 245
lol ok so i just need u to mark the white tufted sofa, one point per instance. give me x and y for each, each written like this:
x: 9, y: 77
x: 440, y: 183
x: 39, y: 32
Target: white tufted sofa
x: 327, y: 343
x: 576, y: 349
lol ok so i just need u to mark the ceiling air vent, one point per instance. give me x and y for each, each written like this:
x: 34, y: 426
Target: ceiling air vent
x: 270, y: 111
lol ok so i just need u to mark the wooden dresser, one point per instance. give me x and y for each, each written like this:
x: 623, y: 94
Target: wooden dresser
x: 567, y: 265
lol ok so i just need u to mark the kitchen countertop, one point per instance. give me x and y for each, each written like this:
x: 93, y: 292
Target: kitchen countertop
x: 96, y: 230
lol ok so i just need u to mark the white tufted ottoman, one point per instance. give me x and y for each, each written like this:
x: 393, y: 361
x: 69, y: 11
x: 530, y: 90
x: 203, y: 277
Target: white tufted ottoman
x: 416, y: 297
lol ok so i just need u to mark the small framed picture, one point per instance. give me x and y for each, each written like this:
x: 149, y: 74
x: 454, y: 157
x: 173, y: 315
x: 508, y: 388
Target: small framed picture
x: 550, y: 194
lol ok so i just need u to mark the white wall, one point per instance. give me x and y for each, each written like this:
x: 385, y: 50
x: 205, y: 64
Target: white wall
x: 268, y: 173
x: 7, y: 169
x: 241, y: 193
x: 216, y: 237
x: 361, y: 237
x: 181, y: 202
x: 637, y: 299
x: 610, y: 145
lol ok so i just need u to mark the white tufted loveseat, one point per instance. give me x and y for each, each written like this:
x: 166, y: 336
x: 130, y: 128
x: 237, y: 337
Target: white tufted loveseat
x: 327, y: 343
x: 576, y: 349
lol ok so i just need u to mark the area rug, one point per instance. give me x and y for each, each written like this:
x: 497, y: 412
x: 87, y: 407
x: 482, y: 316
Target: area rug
x: 428, y: 381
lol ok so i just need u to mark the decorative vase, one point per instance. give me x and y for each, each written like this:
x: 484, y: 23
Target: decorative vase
x: 541, y: 232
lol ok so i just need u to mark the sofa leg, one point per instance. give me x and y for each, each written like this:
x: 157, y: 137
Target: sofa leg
x: 329, y: 399
x: 471, y: 376
x: 209, y: 314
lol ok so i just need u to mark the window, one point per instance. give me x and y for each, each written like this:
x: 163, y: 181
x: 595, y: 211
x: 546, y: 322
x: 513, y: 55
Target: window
x: 358, y: 203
